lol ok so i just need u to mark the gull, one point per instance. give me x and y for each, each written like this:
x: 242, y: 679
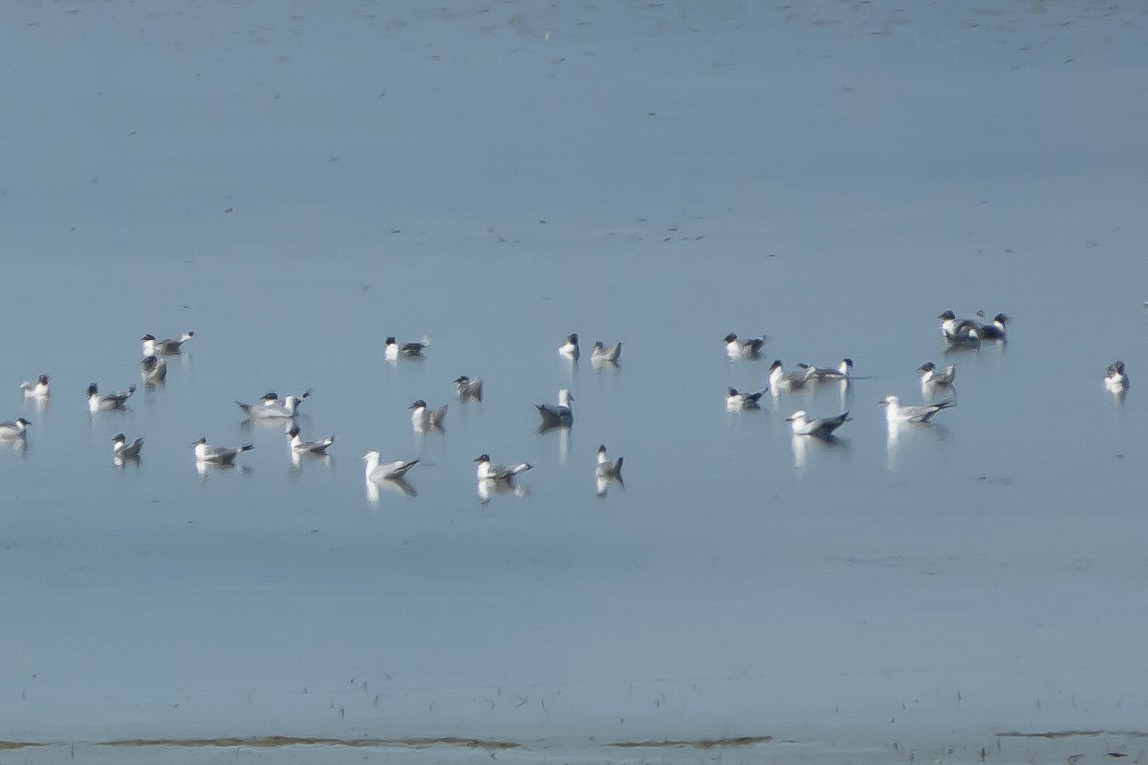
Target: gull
x: 953, y: 326
x: 780, y: 380
x: 994, y: 331
x: 466, y: 387
x: 122, y: 450
x: 894, y: 412
x: 560, y: 414
x: 269, y: 407
x: 488, y: 471
x: 299, y: 446
x: 735, y: 400
x: 960, y: 332
x: 603, y: 355
x: 606, y: 467
x: 392, y: 350
x: 744, y: 349
x: 218, y: 455
x: 822, y: 427
x: 116, y: 400
x: 843, y: 372
x: 386, y: 471
x: 153, y: 369
x: 38, y: 389
x: 1116, y: 379
x: 10, y: 430
x: 931, y: 377
x: 424, y: 419
x: 168, y: 346
x: 569, y: 349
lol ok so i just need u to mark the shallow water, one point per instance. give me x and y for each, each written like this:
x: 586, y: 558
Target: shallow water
x: 643, y: 174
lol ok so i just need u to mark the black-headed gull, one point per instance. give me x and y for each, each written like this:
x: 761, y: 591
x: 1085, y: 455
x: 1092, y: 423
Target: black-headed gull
x: 38, y: 389
x: 569, y: 348
x: 116, y: 400
x: 601, y: 354
x: 994, y: 330
x: 122, y: 450
x: 780, y: 380
x: 423, y: 418
x: 468, y: 387
x: 14, y: 429
x: 489, y: 471
x: 736, y: 348
x: 1116, y: 379
x: 153, y: 369
x: 218, y: 455
x: 735, y: 400
x: 843, y: 372
x: 931, y: 377
x: 269, y: 407
x: 821, y: 427
x: 393, y: 350
x: 168, y: 346
x: 299, y: 446
x: 606, y: 467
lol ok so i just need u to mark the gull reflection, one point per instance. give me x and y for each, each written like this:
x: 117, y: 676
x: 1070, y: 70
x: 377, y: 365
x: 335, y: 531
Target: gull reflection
x: 204, y: 468
x: 39, y: 403
x: 901, y: 431
x: 801, y: 445
x: 17, y: 444
x: 489, y: 487
x: 298, y: 458
x: 563, y: 432
x: 962, y: 344
x: 397, y: 485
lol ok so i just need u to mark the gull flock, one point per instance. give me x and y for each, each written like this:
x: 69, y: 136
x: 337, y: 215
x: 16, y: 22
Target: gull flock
x: 494, y: 478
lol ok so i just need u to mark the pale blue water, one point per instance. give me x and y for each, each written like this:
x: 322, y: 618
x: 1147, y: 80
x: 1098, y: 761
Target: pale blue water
x: 629, y: 180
